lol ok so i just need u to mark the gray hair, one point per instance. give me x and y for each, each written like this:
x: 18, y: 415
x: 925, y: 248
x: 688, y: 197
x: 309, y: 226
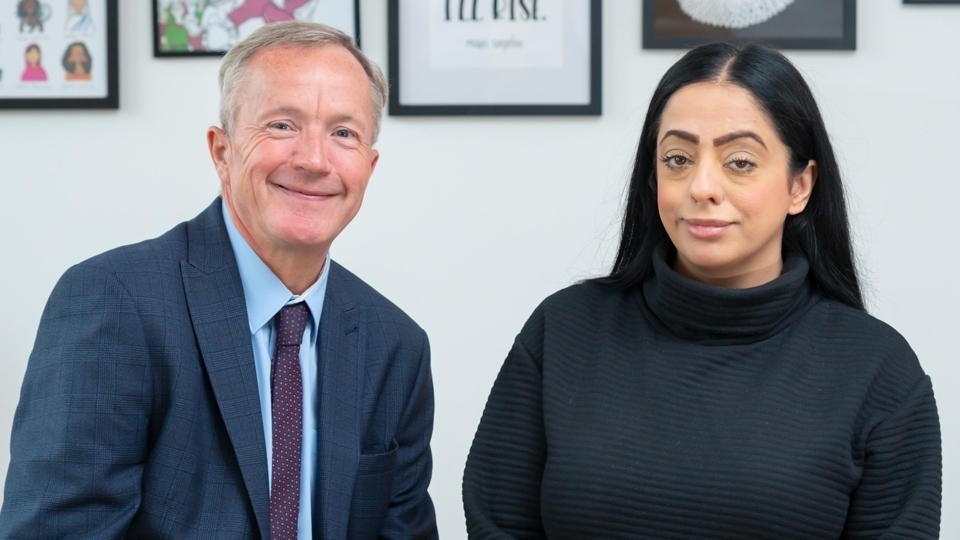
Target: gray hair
x: 300, y: 35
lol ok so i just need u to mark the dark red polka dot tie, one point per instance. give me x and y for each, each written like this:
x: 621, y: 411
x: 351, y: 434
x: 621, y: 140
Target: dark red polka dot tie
x: 287, y: 395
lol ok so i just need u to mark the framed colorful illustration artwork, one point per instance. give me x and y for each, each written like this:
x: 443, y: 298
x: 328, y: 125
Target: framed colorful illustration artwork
x: 59, y: 54
x: 785, y: 24
x: 494, y: 57
x: 211, y: 27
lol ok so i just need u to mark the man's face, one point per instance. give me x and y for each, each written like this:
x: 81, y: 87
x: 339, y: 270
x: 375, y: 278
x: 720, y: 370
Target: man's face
x: 295, y: 168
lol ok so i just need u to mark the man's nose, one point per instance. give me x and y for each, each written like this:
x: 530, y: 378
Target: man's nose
x: 312, y: 153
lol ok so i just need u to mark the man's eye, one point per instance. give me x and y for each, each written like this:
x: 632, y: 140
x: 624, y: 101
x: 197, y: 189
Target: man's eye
x: 343, y: 133
x: 280, y: 125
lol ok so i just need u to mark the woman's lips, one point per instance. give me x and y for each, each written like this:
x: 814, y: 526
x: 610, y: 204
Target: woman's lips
x: 706, y: 229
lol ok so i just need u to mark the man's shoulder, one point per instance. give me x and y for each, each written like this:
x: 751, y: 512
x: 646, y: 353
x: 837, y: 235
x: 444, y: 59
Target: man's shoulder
x: 158, y: 258
x: 348, y: 291
x: 171, y: 247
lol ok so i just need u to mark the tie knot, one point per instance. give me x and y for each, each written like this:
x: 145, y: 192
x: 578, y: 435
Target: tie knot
x: 291, y: 321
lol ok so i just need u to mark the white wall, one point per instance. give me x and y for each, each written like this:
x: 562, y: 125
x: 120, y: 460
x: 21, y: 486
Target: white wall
x: 470, y: 222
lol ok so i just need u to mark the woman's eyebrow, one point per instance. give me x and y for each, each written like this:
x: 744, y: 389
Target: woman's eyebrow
x: 724, y: 139
x: 685, y: 135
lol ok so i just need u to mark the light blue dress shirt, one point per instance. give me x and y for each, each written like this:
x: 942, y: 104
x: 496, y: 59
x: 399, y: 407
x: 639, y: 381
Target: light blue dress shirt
x: 265, y: 295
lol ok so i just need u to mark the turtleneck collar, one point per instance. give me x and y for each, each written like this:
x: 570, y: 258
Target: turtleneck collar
x: 697, y: 311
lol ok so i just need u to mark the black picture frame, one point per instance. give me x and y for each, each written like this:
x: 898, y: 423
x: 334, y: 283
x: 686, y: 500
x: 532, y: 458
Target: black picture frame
x: 102, y: 37
x: 931, y: 1
x: 666, y: 26
x: 590, y: 105
x: 160, y: 50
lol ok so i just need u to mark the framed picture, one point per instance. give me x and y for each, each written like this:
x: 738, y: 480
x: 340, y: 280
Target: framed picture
x: 785, y: 24
x: 494, y: 57
x: 59, y: 54
x: 211, y: 27
x: 931, y: 1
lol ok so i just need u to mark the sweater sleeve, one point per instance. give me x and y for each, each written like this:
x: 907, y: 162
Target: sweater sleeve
x: 501, y: 484
x: 899, y: 491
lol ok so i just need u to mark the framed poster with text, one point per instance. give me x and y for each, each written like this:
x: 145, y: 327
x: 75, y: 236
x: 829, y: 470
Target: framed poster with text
x: 785, y: 24
x: 211, y: 27
x: 494, y: 57
x: 59, y: 54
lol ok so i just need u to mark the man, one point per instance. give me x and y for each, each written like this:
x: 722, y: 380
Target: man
x: 227, y: 380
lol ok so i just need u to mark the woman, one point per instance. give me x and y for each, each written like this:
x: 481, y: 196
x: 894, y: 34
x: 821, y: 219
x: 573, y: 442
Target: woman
x: 79, y: 20
x: 76, y: 62
x: 724, y: 381
x: 31, y: 16
x: 33, y: 71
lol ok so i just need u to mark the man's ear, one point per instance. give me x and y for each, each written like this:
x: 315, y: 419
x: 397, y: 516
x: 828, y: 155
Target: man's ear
x: 219, y: 144
x: 801, y: 186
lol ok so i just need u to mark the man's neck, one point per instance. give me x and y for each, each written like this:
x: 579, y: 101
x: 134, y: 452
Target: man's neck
x: 296, y: 268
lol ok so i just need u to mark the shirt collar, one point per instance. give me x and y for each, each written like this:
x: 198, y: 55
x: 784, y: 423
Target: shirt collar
x: 263, y: 291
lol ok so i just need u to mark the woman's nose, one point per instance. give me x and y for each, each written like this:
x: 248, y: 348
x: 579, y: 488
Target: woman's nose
x: 706, y: 185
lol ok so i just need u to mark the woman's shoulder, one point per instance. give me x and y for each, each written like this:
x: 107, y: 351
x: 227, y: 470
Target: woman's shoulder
x: 579, y: 312
x: 867, y: 346
x: 858, y: 328
x: 579, y: 308
x: 586, y: 296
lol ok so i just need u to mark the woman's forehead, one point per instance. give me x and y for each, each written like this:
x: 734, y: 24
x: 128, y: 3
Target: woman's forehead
x: 714, y: 106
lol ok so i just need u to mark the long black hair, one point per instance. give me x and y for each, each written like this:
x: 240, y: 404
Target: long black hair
x: 68, y: 66
x: 820, y: 232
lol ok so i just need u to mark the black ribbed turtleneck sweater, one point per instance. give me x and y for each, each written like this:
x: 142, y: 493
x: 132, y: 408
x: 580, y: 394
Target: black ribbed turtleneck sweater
x: 682, y: 410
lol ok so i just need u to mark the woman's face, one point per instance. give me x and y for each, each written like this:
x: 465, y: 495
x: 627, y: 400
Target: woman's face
x: 33, y: 56
x: 724, y: 186
x: 77, y: 56
x: 30, y: 7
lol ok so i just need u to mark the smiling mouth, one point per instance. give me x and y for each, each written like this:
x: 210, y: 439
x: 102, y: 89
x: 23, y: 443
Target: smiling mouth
x: 304, y: 194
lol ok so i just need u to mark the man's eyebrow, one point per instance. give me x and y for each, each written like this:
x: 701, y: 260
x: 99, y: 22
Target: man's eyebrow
x: 724, y: 139
x: 294, y: 111
x: 685, y: 135
x: 346, y: 117
x: 289, y: 110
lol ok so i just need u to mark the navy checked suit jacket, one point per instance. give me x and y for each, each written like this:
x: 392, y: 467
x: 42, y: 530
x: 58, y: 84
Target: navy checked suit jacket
x: 139, y: 415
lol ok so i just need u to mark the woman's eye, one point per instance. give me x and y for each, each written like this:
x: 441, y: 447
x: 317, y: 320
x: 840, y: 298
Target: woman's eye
x: 741, y: 165
x: 675, y: 161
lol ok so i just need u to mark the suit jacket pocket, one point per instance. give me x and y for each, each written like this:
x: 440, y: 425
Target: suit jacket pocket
x: 372, y: 491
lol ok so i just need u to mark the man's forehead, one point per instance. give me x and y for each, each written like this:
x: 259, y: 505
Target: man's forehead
x: 275, y: 75
x: 281, y: 67
x: 334, y: 55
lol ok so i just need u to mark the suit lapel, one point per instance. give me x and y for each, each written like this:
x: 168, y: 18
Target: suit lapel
x: 217, y: 308
x: 341, y: 388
